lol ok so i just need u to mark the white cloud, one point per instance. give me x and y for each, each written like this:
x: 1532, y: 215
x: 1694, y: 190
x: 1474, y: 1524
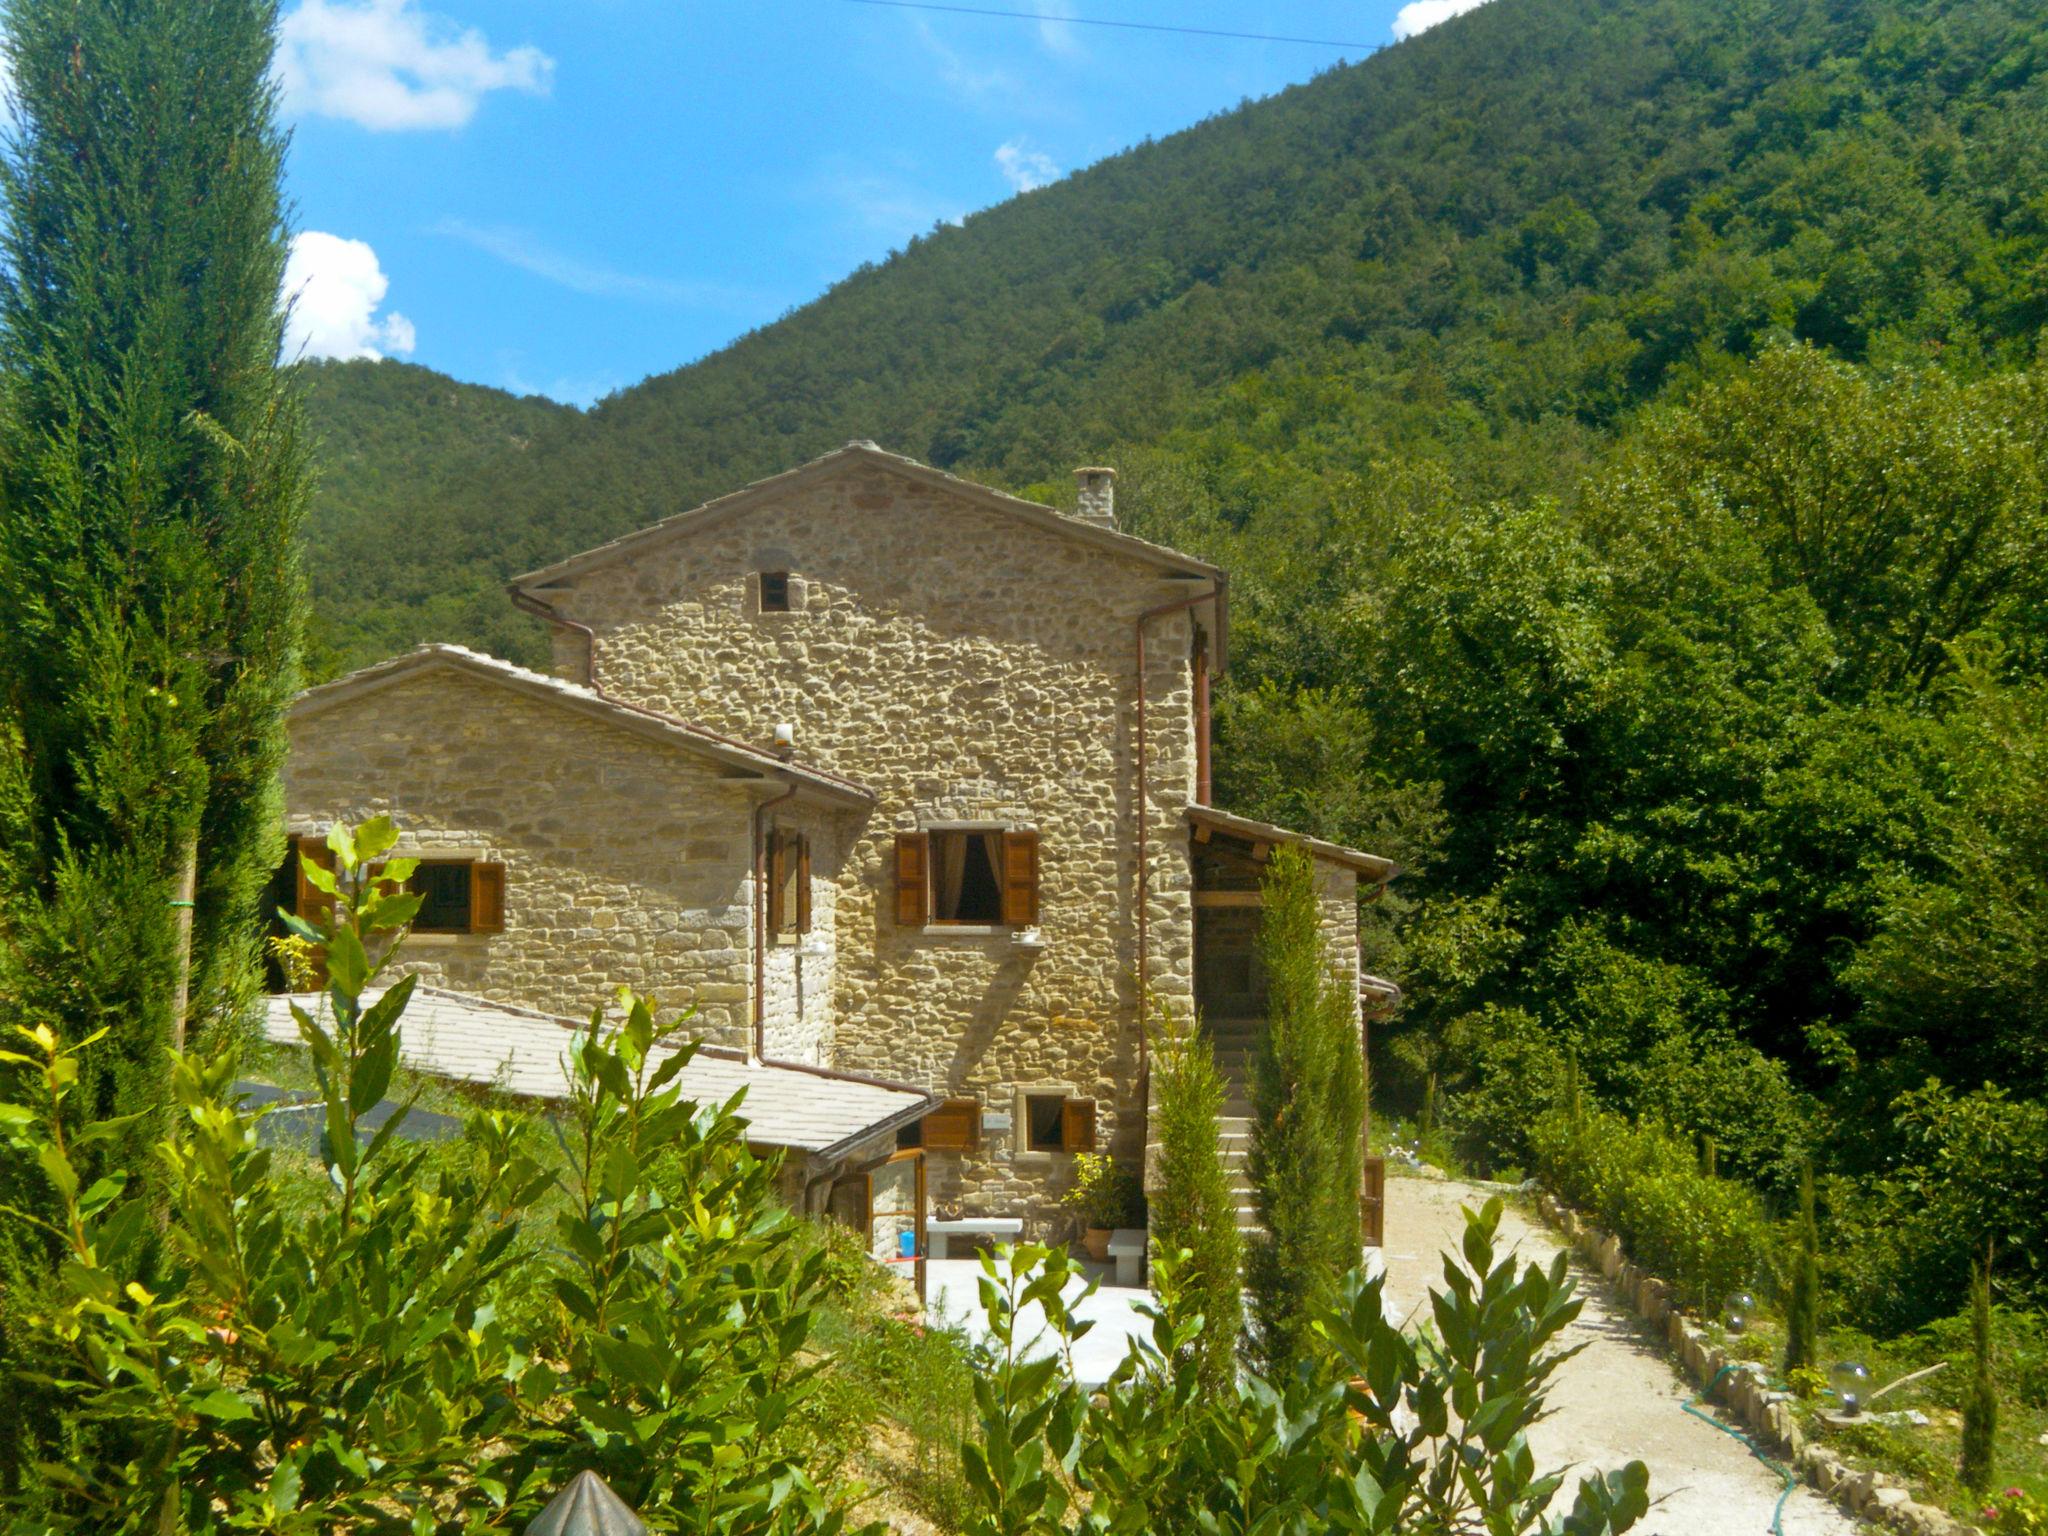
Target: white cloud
x: 1054, y: 31
x: 516, y: 248
x: 1026, y: 169
x: 334, y: 287
x: 386, y: 65
x: 963, y: 77
x: 1420, y: 15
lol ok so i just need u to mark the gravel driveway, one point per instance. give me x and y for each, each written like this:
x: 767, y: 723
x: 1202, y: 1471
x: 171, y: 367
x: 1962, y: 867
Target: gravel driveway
x: 1620, y: 1399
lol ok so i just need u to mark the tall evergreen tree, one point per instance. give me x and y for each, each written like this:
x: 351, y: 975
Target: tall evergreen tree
x: 1194, y: 1209
x: 1308, y: 1108
x: 1802, y: 1307
x: 152, y: 476
x: 1979, y: 1462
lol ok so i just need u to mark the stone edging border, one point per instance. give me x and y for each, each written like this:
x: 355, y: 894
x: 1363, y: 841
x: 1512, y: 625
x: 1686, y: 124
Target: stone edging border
x: 1744, y: 1391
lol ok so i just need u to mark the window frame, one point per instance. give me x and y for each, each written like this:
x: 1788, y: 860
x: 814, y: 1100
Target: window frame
x: 1017, y: 875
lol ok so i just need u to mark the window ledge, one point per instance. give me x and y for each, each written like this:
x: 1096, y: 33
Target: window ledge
x: 438, y: 940
x: 1030, y: 939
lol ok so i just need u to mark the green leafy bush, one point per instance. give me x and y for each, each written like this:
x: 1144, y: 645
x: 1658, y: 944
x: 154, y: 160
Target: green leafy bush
x: 345, y: 1362
x: 1709, y: 1236
x: 1377, y: 1432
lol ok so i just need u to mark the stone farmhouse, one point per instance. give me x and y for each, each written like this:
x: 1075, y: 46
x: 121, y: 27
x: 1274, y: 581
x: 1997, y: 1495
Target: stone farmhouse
x: 899, y: 782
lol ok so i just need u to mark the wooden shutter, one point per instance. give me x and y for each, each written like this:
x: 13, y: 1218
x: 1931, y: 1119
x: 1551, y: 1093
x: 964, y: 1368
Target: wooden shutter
x: 309, y: 901
x: 1373, y: 1203
x: 913, y: 850
x: 803, y: 883
x: 955, y: 1126
x: 1020, y: 879
x: 1077, y: 1125
x: 778, y: 879
x: 486, y: 898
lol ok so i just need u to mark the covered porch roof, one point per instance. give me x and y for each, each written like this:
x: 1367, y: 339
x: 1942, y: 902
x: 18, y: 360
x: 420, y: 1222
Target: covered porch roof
x: 1370, y: 866
x: 523, y: 1052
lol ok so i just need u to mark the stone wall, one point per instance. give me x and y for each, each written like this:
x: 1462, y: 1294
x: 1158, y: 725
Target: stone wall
x: 626, y: 861
x: 967, y: 666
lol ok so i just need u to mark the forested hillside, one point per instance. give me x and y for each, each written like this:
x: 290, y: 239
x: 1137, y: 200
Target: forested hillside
x: 1485, y: 246
x: 395, y: 442
x: 1627, y: 424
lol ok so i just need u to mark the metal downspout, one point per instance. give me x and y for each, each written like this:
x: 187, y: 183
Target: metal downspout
x: 1144, y: 808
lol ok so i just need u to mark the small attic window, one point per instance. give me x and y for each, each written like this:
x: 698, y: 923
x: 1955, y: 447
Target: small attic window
x: 775, y: 591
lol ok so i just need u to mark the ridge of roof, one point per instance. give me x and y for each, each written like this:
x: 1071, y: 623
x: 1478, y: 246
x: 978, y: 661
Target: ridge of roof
x: 1381, y: 869
x: 652, y: 724
x: 862, y: 451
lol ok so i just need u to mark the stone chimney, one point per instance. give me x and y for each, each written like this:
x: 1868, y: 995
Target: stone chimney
x: 1098, y: 497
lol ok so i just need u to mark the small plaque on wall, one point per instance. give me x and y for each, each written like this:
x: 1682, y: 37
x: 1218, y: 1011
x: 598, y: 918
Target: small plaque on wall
x: 991, y: 1121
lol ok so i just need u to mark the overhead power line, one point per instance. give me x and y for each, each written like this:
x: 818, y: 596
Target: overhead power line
x: 1128, y: 26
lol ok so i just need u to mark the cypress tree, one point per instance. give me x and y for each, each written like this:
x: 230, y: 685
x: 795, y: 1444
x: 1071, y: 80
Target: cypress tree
x: 152, y: 475
x: 1194, y: 1208
x: 1802, y: 1309
x: 1307, y: 1120
x: 1980, y: 1402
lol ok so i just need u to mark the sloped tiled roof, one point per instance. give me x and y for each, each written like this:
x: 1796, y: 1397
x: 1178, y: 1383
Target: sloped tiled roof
x: 519, y: 1051
x: 652, y: 724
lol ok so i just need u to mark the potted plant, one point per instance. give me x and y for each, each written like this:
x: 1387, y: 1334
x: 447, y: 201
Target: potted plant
x: 1108, y: 1195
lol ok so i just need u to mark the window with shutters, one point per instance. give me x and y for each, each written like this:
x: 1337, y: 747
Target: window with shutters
x: 458, y: 896
x: 967, y: 876
x: 1058, y: 1122
x: 789, y: 884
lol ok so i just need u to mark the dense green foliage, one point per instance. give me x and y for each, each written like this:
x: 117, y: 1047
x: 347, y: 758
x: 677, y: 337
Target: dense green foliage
x: 1382, y: 1433
x: 383, y: 1352
x: 1308, y: 1120
x: 1709, y: 1236
x: 1193, y: 1213
x: 152, y: 478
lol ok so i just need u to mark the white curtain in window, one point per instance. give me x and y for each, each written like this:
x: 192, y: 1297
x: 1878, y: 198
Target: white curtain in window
x: 992, y: 845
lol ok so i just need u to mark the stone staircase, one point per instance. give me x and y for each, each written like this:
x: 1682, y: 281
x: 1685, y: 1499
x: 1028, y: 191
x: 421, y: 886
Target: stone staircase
x: 1234, y: 1041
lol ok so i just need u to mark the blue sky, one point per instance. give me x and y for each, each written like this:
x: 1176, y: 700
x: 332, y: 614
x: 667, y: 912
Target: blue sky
x: 562, y: 198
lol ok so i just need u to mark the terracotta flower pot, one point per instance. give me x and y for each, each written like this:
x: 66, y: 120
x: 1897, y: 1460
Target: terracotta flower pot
x: 1095, y: 1243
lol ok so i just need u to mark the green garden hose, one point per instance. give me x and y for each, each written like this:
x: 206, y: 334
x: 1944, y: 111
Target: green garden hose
x: 1791, y: 1480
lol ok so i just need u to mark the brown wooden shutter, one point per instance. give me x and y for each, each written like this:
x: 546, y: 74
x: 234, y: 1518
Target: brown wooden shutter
x: 778, y: 879
x: 1077, y: 1125
x: 1020, y: 879
x: 913, y: 851
x: 309, y: 901
x: 955, y: 1126
x: 803, y: 884
x: 486, y: 898
x: 1372, y: 1203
